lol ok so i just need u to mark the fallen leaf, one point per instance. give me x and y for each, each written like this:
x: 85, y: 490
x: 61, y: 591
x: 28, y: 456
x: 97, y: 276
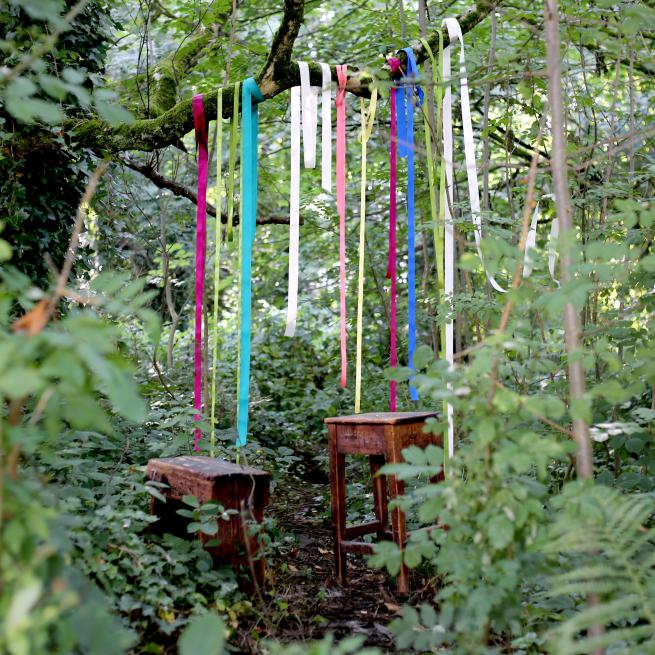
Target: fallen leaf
x: 35, y: 320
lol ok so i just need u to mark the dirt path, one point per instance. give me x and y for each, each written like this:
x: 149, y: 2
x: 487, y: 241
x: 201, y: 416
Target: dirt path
x: 304, y: 601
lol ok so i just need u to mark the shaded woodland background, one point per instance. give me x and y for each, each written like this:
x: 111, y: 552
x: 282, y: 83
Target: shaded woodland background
x: 96, y: 378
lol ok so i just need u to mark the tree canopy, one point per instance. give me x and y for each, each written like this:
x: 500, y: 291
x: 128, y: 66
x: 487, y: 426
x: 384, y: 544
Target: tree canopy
x: 537, y: 538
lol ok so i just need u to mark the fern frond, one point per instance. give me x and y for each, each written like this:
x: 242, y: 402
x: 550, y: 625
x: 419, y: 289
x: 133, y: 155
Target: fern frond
x: 610, y: 555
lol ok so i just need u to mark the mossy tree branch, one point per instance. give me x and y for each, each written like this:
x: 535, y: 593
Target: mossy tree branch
x: 278, y: 74
x: 164, y: 78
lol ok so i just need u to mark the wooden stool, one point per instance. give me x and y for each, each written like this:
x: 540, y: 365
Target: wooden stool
x: 381, y: 436
x: 231, y: 485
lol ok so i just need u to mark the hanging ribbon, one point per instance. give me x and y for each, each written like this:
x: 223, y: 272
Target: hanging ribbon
x: 455, y: 33
x: 201, y: 247
x: 407, y: 95
x: 304, y: 108
x: 394, y: 64
x: 309, y: 104
x: 294, y: 213
x: 449, y: 236
x: 342, y: 77
x: 437, y: 210
x: 326, y: 129
x: 365, y: 135
x: 531, y: 242
x: 217, y: 260
x: 234, y: 135
x: 250, y: 97
x: 552, y: 248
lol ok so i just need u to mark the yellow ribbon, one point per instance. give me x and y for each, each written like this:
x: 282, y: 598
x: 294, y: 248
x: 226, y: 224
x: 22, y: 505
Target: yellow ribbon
x: 234, y: 136
x: 365, y: 134
x: 437, y: 212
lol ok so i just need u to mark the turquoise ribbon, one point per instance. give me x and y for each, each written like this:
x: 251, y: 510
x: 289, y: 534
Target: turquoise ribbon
x: 250, y: 97
x: 405, y: 101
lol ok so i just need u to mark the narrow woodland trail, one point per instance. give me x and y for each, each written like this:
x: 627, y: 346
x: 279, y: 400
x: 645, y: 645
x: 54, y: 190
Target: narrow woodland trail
x: 308, y: 603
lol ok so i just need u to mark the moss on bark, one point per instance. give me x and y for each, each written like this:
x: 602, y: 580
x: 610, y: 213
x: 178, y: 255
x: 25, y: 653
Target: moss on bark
x: 278, y: 74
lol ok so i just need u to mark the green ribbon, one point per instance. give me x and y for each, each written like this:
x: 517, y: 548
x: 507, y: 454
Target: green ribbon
x: 234, y: 135
x: 217, y: 259
x: 437, y: 211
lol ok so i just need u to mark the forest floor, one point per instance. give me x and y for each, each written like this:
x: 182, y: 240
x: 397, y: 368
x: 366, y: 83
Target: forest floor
x: 303, y: 600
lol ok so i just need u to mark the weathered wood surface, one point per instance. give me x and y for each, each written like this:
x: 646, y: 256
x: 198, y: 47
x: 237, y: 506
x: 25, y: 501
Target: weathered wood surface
x: 241, y: 488
x: 382, y: 436
x: 387, y: 418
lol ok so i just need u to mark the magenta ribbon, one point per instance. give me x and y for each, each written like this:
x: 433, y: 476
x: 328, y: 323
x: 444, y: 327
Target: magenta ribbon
x: 201, y: 248
x: 394, y: 64
x: 342, y: 76
x: 391, y: 272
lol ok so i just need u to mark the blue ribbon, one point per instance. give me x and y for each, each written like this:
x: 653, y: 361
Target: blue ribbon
x: 250, y: 97
x: 405, y: 94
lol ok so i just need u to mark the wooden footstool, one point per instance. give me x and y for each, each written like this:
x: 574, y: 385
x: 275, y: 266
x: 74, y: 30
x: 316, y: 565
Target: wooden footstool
x: 241, y: 488
x: 381, y: 436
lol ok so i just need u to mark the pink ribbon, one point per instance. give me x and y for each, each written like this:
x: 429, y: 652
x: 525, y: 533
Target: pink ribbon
x: 391, y: 271
x: 342, y: 77
x: 201, y: 247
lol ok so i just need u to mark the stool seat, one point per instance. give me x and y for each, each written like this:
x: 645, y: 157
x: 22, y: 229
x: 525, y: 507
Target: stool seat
x: 382, y: 436
x: 236, y: 487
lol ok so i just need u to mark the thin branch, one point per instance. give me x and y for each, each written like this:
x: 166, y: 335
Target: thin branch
x: 572, y: 330
x: 180, y: 190
x: 67, y: 267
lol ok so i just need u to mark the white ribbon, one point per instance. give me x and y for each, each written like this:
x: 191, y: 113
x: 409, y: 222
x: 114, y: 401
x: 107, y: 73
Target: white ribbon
x: 326, y: 127
x: 294, y: 213
x: 304, y: 110
x: 309, y: 115
x: 531, y: 243
x: 552, y: 249
x: 455, y: 32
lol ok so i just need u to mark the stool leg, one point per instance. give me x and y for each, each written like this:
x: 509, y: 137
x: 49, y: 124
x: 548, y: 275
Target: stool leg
x: 338, y: 487
x: 379, y: 493
x: 397, y: 488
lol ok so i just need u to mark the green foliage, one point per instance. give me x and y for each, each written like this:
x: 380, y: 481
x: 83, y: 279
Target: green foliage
x: 602, y: 543
x: 204, y: 518
x: 56, y: 376
x: 509, y: 543
x: 492, y: 503
x: 326, y: 646
x: 42, y: 173
x: 205, y: 635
